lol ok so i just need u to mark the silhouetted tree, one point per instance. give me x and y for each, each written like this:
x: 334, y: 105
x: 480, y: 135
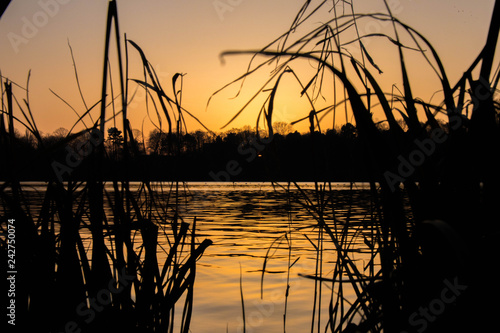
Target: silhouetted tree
x: 348, y: 131
x: 61, y: 132
x: 188, y: 143
x: 282, y: 128
x: 115, y: 141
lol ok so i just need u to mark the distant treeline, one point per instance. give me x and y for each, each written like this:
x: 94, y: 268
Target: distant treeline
x: 235, y: 155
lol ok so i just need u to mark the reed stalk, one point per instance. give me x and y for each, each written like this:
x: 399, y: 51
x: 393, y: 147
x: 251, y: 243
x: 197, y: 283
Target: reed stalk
x: 402, y: 234
x: 82, y: 266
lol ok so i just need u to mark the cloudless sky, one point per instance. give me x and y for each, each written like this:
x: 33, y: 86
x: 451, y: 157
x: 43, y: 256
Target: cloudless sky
x: 188, y: 36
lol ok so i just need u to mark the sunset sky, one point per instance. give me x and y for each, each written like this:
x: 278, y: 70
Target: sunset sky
x: 188, y: 36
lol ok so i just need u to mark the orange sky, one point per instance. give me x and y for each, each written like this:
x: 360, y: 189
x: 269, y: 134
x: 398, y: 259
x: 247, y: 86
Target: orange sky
x: 188, y: 36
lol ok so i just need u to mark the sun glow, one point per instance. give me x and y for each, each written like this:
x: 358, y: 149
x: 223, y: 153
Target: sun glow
x: 189, y: 38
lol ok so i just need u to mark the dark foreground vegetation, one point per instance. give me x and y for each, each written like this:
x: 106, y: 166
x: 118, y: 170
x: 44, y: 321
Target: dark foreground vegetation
x: 434, y: 187
x: 86, y: 258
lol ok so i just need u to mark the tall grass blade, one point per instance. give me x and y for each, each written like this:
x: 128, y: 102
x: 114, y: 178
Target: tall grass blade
x: 242, y: 302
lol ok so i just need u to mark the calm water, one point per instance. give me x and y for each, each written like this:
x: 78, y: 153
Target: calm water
x: 247, y: 222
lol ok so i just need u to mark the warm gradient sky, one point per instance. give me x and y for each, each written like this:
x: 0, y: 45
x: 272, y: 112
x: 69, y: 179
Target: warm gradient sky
x: 188, y: 35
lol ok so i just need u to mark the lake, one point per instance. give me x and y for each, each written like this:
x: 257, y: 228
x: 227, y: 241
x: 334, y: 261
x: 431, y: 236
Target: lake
x: 247, y: 223
x: 251, y: 223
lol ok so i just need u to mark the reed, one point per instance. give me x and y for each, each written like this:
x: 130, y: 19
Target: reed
x: 81, y: 266
x: 427, y: 224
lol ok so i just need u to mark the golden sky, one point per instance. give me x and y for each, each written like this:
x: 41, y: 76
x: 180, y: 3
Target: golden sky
x: 188, y: 36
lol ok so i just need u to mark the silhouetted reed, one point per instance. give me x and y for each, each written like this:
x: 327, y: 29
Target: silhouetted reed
x: 434, y: 185
x: 90, y: 255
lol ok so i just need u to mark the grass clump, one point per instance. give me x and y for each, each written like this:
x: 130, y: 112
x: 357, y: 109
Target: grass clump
x: 433, y: 182
x: 96, y: 254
